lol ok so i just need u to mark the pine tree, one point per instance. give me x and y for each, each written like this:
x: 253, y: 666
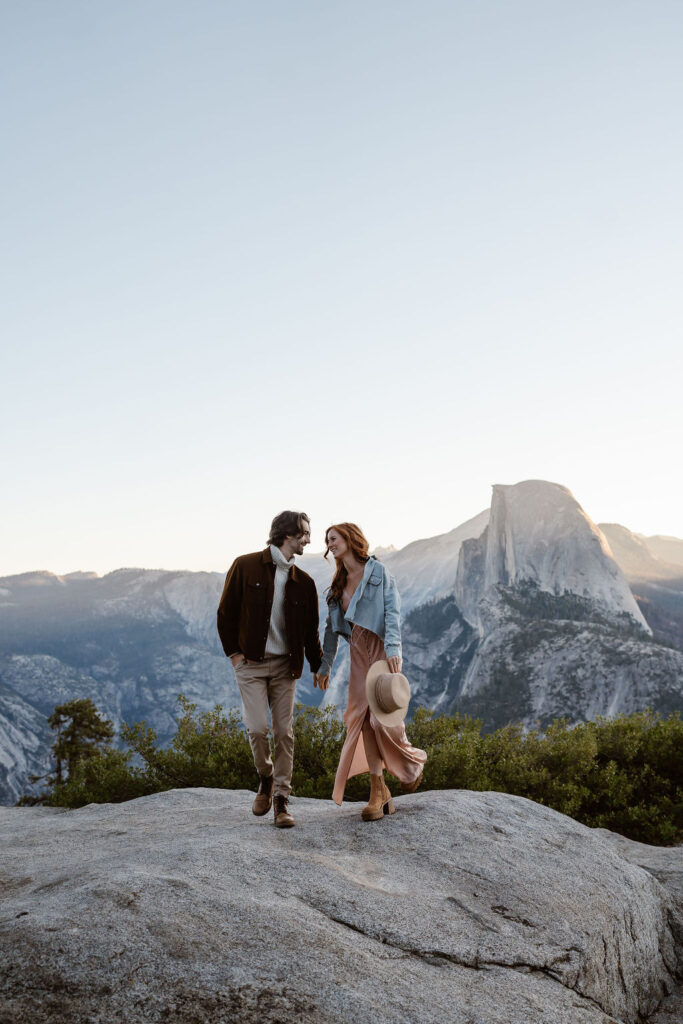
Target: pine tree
x: 81, y: 734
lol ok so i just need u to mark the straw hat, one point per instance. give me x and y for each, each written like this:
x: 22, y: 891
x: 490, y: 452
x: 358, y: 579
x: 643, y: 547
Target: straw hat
x: 388, y: 694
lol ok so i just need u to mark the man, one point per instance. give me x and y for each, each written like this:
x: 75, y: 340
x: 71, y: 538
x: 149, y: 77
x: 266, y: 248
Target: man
x: 267, y: 619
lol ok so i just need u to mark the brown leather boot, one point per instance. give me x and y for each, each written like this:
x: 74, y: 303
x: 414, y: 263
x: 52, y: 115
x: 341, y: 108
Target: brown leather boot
x: 264, y: 797
x: 283, y: 819
x: 379, y: 798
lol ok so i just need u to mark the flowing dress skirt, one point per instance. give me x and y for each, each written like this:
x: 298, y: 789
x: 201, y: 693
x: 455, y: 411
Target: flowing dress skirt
x: 398, y: 756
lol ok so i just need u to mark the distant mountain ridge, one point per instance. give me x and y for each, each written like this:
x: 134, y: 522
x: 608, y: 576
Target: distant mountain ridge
x: 668, y: 549
x: 527, y: 611
x: 657, y: 585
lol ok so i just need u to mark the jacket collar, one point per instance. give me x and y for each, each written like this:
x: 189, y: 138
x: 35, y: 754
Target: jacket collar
x: 358, y: 593
x: 367, y: 571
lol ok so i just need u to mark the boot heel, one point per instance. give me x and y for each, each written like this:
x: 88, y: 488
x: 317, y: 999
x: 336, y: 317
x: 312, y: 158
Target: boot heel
x: 375, y: 808
x: 388, y: 805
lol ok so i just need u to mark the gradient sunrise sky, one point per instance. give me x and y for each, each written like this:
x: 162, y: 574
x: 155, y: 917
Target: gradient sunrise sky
x: 361, y: 259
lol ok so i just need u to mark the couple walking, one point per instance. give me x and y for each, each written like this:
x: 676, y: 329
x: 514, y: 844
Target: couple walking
x: 268, y: 620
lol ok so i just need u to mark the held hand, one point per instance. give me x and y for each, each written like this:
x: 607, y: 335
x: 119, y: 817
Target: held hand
x: 395, y: 663
x: 322, y: 681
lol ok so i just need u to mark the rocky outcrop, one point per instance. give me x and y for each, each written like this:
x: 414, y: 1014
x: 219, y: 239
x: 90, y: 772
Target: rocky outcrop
x: 182, y: 907
x: 666, y: 864
x: 560, y: 633
x: 24, y: 739
x: 544, y: 657
x: 538, y: 533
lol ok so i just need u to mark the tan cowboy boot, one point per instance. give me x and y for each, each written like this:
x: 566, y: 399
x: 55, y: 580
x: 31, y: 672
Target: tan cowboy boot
x: 378, y: 798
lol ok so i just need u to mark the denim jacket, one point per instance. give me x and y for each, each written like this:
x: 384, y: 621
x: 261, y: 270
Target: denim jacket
x: 376, y: 605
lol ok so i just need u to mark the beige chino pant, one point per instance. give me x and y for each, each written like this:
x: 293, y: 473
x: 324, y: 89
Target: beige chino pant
x: 265, y: 684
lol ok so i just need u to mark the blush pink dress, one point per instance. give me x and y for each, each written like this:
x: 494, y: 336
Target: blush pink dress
x: 397, y: 755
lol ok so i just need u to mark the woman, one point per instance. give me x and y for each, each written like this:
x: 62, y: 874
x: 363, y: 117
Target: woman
x: 364, y: 608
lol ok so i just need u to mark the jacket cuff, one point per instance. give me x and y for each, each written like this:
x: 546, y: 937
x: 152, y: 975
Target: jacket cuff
x: 392, y: 650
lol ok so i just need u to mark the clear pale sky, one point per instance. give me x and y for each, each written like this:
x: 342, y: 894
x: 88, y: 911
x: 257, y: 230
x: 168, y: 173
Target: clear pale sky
x: 365, y: 259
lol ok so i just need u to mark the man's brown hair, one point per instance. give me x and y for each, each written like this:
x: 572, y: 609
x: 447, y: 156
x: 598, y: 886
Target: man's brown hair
x: 287, y: 524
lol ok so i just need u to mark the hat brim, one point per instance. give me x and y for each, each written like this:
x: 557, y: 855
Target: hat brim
x: 390, y: 718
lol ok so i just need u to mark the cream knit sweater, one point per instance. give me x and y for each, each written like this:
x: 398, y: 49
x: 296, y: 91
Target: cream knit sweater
x: 277, y: 642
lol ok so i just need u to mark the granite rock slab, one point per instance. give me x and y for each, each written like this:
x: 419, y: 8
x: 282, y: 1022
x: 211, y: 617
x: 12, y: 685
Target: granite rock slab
x: 461, y: 908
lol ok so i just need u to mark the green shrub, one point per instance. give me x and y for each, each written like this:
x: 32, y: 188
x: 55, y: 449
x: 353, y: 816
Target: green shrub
x: 106, y: 777
x: 624, y: 774
x: 209, y: 749
x: 636, y: 783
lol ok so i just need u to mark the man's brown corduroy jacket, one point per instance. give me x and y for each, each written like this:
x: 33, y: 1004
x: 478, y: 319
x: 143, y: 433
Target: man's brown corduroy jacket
x: 244, y: 611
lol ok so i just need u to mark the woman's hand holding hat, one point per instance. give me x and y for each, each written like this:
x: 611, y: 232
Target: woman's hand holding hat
x: 395, y: 664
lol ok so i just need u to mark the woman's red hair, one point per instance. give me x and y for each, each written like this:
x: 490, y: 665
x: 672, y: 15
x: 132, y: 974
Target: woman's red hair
x: 355, y: 538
